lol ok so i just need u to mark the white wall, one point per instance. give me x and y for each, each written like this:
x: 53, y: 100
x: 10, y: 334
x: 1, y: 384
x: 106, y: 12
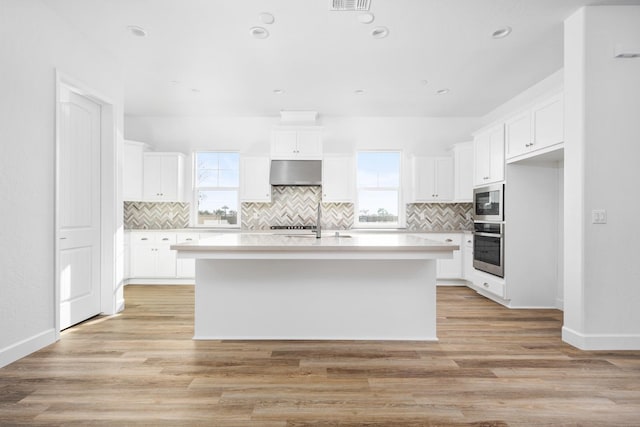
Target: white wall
x: 34, y: 42
x: 602, y: 106
x: 421, y: 135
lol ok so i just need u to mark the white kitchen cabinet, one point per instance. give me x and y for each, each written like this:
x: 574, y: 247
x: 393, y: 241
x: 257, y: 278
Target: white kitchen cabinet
x: 487, y: 283
x: 536, y: 128
x: 186, y: 268
x: 488, y: 156
x: 298, y: 143
x: 433, y: 179
x: 132, y: 167
x: 449, y: 268
x: 254, y: 179
x: 163, y: 177
x: 463, y: 172
x: 151, y: 255
x: 468, y: 272
x: 337, y: 179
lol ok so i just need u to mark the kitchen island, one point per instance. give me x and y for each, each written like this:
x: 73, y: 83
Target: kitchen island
x: 370, y: 286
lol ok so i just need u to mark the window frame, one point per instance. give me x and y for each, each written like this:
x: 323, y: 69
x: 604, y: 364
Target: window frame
x: 401, y: 223
x: 196, y: 189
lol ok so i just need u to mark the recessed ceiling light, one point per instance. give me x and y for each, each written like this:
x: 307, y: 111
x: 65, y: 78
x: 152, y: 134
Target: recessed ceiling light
x: 501, y: 33
x: 442, y: 91
x: 266, y: 18
x: 380, y: 32
x: 359, y: 91
x: 366, y: 18
x: 259, y: 32
x: 278, y: 91
x: 137, y: 31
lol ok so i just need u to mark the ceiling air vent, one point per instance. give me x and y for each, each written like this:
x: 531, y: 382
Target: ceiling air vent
x: 349, y: 5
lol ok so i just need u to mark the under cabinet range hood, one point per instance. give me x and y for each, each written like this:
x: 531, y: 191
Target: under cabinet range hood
x: 296, y: 172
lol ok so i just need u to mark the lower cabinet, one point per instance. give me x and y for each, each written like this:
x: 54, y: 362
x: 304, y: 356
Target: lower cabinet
x: 489, y: 283
x: 151, y: 257
x: 449, y: 268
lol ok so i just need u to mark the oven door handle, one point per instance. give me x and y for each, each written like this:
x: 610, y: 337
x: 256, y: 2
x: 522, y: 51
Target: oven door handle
x: 497, y: 235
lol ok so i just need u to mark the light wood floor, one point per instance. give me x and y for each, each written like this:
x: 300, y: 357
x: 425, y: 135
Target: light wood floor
x: 491, y: 367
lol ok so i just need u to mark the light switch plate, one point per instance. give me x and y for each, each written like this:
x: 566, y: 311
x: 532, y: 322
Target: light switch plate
x: 598, y: 216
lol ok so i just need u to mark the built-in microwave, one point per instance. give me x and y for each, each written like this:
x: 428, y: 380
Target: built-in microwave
x: 488, y: 203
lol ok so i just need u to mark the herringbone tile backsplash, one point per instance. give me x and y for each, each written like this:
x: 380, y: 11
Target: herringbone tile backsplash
x: 155, y: 215
x: 439, y: 216
x: 296, y: 206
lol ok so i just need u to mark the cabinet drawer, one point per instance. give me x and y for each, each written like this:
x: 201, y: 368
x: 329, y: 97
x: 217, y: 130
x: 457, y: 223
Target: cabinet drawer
x: 138, y: 237
x: 187, y: 237
x: 493, y: 286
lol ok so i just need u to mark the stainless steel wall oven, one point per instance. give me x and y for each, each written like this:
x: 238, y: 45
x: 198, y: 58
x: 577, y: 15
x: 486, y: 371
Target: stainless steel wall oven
x: 488, y: 247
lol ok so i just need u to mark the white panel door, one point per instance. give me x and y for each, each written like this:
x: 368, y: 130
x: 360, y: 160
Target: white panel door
x: 78, y: 208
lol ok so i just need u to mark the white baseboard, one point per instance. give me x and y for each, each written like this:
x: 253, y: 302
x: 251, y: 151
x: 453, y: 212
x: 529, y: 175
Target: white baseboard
x: 601, y: 341
x: 27, y: 346
x: 157, y: 281
x: 451, y: 282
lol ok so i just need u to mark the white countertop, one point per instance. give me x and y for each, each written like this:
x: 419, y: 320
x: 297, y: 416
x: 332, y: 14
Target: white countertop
x: 361, y: 242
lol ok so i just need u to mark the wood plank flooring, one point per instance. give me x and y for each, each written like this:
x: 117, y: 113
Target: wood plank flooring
x: 492, y: 367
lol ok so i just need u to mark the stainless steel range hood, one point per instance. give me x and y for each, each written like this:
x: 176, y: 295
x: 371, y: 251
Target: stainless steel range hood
x: 296, y: 172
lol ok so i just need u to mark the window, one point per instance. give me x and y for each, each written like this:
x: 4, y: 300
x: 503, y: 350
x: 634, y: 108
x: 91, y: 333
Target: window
x: 378, y: 185
x: 217, y: 180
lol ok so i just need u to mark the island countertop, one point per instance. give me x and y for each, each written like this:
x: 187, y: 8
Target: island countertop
x: 343, y: 243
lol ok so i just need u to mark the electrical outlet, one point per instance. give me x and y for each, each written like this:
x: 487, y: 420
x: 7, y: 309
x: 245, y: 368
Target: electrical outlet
x: 598, y: 216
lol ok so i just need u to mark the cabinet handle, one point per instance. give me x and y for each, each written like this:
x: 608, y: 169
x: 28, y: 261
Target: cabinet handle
x: 144, y: 238
x: 468, y: 241
x: 485, y: 284
x: 188, y: 240
x: 485, y: 178
x: 448, y: 240
x: 165, y: 238
x: 63, y: 238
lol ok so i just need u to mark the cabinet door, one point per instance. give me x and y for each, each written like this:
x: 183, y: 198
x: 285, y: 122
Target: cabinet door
x: 424, y: 179
x: 186, y: 268
x: 496, y: 161
x: 132, y: 166
x: 518, y: 135
x: 481, y: 158
x: 153, y: 183
x: 166, y: 261
x: 463, y: 169
x: 309, y: 144
x: 143, y: 260
x: 444, y: 179
x: 548, y: 123
x: 468, y: 271
x: 337, y: 179
x: 170, y: 178
x: 450, y: 268
x: 284, y: 144
x: 254, y: 179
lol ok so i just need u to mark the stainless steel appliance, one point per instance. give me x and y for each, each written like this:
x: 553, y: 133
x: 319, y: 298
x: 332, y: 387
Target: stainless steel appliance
x: 488, y: 247
x: 295, y: 172
x: 488, y: 203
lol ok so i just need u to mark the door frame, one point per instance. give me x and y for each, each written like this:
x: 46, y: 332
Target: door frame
x: 111, y: 229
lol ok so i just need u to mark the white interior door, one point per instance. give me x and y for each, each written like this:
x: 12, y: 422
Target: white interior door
x: 78, y: 208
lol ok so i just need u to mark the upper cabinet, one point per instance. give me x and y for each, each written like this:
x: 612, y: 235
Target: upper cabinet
x: 297, y: 142
x: 463, y: 172
x: 488, y: 156
x: 337, y: 179
x: 433, y: 179
x: 133, y: 158
x: 536, y: 128
x: 163, y: 177
x: 254, y: 179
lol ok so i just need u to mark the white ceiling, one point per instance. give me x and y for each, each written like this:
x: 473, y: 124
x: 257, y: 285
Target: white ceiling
x: 320, y: 57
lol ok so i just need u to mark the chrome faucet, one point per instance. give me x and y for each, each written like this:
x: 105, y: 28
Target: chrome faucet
x: 318, y: 229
